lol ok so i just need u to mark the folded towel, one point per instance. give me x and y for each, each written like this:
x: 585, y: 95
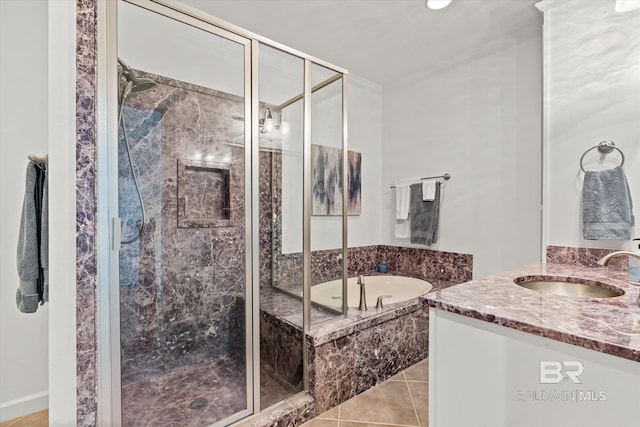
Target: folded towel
x: 424, y: 216
x: 428, y: 191
x: 402, y: 200
x: 607, y: 209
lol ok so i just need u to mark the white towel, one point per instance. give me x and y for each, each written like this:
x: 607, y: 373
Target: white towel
x: 402, y: 229
x: 402, y: 224
x: 428, y: 191
x: 402, y: 200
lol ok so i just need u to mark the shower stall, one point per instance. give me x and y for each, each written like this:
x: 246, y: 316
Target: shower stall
x: 224, y: 176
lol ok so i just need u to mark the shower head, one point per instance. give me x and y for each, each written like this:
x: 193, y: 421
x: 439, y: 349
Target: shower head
x: 135, y: 83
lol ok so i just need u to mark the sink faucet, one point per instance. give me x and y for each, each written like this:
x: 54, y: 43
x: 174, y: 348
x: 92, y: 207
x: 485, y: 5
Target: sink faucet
x: 605, y: 259
x: 363, y: 299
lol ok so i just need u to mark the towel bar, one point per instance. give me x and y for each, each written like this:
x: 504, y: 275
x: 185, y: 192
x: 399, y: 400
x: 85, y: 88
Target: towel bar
x: 605, y: 147
x: 446, y: 177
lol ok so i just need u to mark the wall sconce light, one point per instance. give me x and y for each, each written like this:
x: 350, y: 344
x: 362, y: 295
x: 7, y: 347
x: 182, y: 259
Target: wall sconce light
x: 267, y: 123
x: 437, y: 4
x: 285, y: 128
x: 626, y: 5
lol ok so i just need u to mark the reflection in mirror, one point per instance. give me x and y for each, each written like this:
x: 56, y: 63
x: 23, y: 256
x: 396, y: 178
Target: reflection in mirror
x: 591, y: 95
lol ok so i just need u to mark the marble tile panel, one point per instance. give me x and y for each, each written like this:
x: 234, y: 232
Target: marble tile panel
x: 86, y: 206
x: 273, y: 390
x: 269, y: 218
x: 370, y: 352
x: 362, y: 259
x: 384, y: 350
x: 182, y: 288
x: 281, y: 350
x: 332, y: 372
x: 583, y: 256
x: 164, y: 399
x: 427, y: 264
x: 293, y: 413
x: 356, y: 320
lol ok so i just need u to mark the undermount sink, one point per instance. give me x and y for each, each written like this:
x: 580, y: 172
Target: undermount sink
x: 569, y: 286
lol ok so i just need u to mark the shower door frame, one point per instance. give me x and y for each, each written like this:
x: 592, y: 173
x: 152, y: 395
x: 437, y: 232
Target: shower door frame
x: 108, y: 363
x: 109, y: 384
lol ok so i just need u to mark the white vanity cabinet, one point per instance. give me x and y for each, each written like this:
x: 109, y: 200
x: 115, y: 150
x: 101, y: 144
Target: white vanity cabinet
x: 486, y: 375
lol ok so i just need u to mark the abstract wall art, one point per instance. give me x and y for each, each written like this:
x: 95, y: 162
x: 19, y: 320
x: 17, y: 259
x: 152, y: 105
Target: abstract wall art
x: 326, y: 170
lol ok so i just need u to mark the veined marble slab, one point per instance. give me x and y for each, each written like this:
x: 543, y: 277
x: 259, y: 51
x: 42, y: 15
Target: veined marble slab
x: 608, y: 325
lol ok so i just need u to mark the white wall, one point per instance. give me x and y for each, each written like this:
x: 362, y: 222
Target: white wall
x: 480, y: 121
x: 592, y: 91
x: 365, y: 136
x: 23, y: 131
x: 151, y: 42
x: 62, y: 212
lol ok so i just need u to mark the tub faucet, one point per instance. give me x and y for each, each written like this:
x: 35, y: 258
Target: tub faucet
x: 363, y: 298
x: 379, y: 306
x: 605, y: 259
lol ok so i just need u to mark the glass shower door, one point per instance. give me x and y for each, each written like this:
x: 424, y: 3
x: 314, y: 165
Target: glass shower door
x: 281, y: 144
x: 183, y: 152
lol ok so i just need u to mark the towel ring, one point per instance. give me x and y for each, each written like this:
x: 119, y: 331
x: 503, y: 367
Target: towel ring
x: 605, y: 147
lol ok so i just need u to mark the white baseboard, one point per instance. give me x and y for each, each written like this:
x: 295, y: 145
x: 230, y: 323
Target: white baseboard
x: 24, y: 405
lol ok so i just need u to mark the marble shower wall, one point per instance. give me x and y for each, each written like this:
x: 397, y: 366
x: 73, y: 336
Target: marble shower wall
x: 182, y: 289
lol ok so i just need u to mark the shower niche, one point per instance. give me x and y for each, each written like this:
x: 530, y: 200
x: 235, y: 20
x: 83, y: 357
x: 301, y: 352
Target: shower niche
x: 204, y: 194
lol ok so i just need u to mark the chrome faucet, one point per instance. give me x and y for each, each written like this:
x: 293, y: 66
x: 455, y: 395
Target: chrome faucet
x: 379, y: 306
x: 363, y: 298
x: 605, y: 259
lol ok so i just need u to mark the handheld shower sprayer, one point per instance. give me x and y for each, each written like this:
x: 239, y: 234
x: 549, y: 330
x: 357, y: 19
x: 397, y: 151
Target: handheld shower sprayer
x: 133, y: 84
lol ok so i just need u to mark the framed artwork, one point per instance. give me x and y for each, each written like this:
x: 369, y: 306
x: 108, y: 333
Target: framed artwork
x: 326, y: 170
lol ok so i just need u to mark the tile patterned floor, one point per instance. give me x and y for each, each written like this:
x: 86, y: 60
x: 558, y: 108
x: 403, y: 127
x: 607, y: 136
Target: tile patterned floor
x: 399, y: 401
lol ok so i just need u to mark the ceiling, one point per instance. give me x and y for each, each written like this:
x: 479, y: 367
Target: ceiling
x: 381, y: 40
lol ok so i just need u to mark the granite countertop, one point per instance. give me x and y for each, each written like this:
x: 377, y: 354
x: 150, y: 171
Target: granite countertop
x: 607, y: 325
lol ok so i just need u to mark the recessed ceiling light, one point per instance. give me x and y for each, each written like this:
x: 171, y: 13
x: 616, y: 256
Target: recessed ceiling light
x: 626, y: 5
x: 437, y: 4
